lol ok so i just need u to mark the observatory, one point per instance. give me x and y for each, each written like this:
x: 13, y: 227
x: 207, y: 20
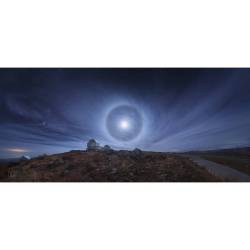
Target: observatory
x: 92, y: 145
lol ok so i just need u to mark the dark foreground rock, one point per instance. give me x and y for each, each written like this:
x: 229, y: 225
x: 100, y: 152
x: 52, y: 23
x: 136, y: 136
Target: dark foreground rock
x: 101, y: 166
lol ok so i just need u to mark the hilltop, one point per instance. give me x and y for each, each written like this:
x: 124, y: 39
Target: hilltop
x: 107, y: 166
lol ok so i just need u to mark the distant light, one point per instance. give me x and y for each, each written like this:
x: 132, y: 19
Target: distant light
x: 16, y: 150
x: 124, y: 124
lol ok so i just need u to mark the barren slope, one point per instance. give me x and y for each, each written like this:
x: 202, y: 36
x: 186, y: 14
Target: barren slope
x: 114, y: 166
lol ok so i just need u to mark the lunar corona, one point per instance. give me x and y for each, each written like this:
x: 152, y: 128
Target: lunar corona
x: 124, y: 123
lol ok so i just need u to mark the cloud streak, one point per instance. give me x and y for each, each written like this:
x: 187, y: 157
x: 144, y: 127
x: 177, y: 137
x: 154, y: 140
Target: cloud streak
x: 55, y: 110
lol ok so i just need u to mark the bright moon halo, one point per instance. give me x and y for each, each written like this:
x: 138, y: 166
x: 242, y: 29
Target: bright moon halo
x: 124, y: 124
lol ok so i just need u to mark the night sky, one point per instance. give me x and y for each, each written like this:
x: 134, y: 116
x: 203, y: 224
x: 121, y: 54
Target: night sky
x: 58, y: 110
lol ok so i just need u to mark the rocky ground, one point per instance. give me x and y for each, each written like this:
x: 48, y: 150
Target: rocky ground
x: 111, y: 166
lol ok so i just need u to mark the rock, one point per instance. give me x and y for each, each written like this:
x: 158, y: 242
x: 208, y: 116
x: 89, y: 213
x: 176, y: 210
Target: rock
x: 59, y: 161
x: 114, y: 170
x: 12, y: 173
x: 137, y: 152
x: 70, y: 167
x: 124, y: 153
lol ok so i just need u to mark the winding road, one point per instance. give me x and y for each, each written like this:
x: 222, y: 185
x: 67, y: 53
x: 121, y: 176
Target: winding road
x: 220, y: 170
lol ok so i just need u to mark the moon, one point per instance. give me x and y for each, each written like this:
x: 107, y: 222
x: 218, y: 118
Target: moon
x: 124, y: 123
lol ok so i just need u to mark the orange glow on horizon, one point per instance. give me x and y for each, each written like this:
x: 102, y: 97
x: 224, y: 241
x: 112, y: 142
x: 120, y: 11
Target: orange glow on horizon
x: 16, y: 150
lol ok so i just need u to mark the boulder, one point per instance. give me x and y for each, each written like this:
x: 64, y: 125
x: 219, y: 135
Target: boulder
x: 137, y: 151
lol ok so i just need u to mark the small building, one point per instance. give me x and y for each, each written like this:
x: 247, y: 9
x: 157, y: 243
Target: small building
x: 107, y: 148
x: 92, y: 145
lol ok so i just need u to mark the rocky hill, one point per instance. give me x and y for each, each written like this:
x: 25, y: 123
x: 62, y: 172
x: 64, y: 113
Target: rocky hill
x: 107, y: 166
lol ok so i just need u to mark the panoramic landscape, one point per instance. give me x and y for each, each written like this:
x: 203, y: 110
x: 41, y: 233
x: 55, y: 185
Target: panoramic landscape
x: 125, y: 125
